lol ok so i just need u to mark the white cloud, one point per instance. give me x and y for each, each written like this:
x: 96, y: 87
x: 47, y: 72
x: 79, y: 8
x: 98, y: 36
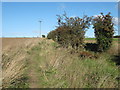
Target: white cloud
x: 116, y: 21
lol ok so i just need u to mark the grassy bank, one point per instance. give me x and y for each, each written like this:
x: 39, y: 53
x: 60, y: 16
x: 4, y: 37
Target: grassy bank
x: 47, y: 65
x: 56, y: 67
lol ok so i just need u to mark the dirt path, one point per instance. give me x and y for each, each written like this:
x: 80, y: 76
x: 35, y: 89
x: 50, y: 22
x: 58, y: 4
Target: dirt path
x: 33, y: 75
x: 34, y: 68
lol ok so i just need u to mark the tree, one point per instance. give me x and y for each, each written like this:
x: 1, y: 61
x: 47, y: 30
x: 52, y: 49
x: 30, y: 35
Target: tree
x: 70, y: 31
x: 104, y: 31
x: 43, y: 36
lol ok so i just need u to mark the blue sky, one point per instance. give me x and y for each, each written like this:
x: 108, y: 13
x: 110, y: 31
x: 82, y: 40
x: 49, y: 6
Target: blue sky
x: 20, y: 19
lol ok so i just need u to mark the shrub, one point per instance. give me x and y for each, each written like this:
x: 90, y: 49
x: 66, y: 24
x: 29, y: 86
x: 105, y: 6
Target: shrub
x: 71, y: 31
x: 104, y: 31
x: 91, y: 47
x: 51, y: 35
x: 43, y: 36
x: 87, y: 54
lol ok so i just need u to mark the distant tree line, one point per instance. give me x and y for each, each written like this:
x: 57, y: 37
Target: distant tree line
x: 117, y: 36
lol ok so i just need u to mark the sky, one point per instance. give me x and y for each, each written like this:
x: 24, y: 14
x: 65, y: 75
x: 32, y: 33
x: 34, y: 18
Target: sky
x: 21, y: 19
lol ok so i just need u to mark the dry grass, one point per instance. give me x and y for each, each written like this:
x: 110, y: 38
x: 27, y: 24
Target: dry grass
x: 57, y: 67
x: 14, y: 57
x: 49, y: 65
x: 114, y: 50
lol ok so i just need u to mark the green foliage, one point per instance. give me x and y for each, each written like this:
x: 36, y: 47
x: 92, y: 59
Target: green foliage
x: 104, y: 31
x: 52, y: 35
x: 43, y: 36
x: 71, y: 31
x: 20, y: 83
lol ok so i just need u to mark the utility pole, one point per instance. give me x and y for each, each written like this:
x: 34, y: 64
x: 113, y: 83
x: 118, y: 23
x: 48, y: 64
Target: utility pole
x: 40, y: 28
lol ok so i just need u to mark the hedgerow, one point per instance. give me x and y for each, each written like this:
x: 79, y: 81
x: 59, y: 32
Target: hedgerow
x: 104, y: 31
x: 70, y: 31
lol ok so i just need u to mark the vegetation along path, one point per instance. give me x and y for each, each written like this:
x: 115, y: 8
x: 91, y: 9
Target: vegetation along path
x: 44, y: 64
x: 52, y: 66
